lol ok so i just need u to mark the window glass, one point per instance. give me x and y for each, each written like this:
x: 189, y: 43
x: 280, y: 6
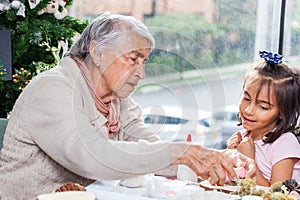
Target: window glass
x: 203, y: 49
x: 159, y: 119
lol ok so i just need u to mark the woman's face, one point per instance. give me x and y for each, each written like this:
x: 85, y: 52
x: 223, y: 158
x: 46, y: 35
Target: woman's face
x: 125, y: 67
x: 258, y: 113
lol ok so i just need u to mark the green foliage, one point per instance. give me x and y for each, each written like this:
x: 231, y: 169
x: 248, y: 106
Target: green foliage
x: 181, y: 42
x: 237, y: 19
x: 189, y: 25
x: 34, y: 39
x: 164, y: 62
x: 187, y: 41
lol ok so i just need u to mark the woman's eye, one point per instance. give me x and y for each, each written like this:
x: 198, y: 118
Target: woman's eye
x: 246, y: 99
x: 133, y: 59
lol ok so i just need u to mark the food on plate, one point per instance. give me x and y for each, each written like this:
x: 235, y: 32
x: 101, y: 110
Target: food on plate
x: 292, y: 186
x: 230, y: 185
x: 70, y: 187
x: 225, y: 188
x: 286, y: 190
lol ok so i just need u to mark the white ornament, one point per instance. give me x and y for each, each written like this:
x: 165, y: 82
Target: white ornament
x: 53, y: 7
x: 33, y: 3
x: 21, y: 10
x: 15, y: 5
x: 63, y: 45
x: 1, y: 7
x: 4, y: 6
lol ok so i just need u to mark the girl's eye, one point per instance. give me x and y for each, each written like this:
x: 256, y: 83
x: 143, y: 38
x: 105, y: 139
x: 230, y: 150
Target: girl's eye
x: 264, y: 107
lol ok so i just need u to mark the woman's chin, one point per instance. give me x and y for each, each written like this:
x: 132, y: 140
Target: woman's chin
x: 125, y: 94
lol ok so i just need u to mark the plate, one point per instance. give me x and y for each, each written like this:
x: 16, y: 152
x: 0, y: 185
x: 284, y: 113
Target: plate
x: 68, y: 195
x: 225, y: 188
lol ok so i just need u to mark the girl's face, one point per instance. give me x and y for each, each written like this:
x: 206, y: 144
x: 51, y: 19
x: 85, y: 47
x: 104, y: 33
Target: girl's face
x: 258, y: 113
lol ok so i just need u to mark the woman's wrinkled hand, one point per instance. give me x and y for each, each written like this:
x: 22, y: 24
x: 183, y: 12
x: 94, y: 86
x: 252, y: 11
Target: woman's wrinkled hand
x: 211, y: 164
x: 239, y: 160
x: 206, y: 163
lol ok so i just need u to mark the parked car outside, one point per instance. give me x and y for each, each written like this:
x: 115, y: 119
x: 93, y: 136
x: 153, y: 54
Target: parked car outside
x: 226, y: 120
x: 175, y: 123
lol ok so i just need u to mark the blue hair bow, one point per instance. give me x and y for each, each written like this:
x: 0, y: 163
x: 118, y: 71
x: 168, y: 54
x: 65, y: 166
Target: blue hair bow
x: 270, y: 57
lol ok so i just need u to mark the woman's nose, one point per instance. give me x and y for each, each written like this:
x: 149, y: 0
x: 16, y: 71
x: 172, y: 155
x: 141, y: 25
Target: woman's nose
x: 140, y: 71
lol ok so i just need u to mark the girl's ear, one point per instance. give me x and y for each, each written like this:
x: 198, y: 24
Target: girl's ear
x: 96, y: 56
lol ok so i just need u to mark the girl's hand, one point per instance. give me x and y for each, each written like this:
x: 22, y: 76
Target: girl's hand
x: 234, y: 140
x: 247, y: 147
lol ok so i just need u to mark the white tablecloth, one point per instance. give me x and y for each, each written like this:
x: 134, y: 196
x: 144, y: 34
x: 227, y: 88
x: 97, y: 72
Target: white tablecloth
x: 155, y: 188
x: 107, y: 191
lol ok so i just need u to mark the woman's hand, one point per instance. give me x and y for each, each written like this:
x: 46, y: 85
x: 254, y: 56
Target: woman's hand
x: 209, y: 163
x: 239, y: 160
x: 234, y: 140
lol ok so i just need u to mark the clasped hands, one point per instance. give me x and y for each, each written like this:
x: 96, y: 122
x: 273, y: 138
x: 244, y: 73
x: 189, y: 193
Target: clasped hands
x: 211, y: 164
x: 244, y: 144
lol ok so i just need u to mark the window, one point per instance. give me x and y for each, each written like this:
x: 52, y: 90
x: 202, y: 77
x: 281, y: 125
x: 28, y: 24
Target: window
x: 160, y: 119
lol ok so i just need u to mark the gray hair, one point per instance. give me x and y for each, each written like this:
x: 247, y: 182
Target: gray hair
x: 104, y: 30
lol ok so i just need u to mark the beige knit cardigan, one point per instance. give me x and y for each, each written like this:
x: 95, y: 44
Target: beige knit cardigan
x: 56, y: 135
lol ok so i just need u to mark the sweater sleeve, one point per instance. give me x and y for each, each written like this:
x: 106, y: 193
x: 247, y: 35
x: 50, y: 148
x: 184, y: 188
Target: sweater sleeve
x: 59, y: 125
x: 132, y: 125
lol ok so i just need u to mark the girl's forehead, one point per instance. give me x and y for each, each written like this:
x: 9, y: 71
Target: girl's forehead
x: 259, y: 84
x: 252, y: 85
x: 260, y: 91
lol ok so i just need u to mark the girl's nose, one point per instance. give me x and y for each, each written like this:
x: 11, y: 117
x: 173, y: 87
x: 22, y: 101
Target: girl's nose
x: 250, y: 109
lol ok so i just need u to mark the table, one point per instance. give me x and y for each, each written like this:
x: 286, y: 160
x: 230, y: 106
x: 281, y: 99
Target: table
x: 105, y: 191
x: 155, y: 188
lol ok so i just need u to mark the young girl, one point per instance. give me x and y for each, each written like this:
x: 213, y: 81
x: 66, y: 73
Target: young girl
x: 268, y: 110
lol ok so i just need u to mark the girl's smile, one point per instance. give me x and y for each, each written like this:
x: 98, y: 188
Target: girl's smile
x: 247, y: 121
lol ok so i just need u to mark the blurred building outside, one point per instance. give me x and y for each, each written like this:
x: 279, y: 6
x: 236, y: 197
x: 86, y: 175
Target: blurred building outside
x: 86, y: 9
x: 268, y: 11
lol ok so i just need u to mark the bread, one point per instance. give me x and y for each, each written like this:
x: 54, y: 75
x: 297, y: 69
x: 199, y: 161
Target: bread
x: 70, y: 187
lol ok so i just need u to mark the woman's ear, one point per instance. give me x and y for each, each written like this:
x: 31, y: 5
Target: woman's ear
x: 96, y: 56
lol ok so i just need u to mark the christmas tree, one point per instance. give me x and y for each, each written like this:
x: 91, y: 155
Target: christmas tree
x: 41, y: 31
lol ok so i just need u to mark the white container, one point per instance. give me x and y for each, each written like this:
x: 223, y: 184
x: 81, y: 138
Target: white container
x: 252, y: 198
x: 68, y: 195
x: 185, y: 173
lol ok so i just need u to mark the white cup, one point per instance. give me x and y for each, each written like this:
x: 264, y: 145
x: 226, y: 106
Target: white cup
x: 185, y: 173
x: 252, y: 198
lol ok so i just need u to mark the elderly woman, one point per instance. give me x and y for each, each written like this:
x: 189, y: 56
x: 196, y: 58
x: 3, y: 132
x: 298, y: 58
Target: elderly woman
x: 77, y: 123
